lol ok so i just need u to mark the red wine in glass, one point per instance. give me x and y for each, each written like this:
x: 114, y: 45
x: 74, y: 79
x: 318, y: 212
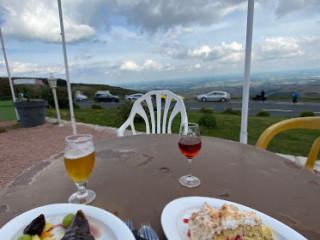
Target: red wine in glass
x: 190, y: 146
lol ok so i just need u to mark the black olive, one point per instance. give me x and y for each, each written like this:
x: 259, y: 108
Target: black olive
x: 36, y: 226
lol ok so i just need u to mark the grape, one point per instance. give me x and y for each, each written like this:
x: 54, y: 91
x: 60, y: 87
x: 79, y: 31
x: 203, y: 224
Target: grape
x: 67, y: 220
x: 25, y: 237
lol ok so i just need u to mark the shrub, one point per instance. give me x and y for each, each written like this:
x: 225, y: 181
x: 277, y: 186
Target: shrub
x: 124, y: 110
x: 62, y: 95
x: 208, y: 120
x: 76, y: 105
x: 307, y: 114
x: 263, y: 114
x: 96, y: 106
x: 206, y: 110
x: 231, y: 111
x: 33, y: 91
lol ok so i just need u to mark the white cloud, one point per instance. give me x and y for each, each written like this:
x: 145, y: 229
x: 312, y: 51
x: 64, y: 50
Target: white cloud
x: 310, y: 39
x: 203, y: 51
x: 232, y: 52
x: 31, y: 69
x: 148, y: 65
x: 165, y: 14
x: 191, y: 68
x: 178, y: 31
x: 197, y: 66
x: 285, y: 7
x: 130, y: 66
x: 279, y: 48
x: 151, y: 65
x: 34, y: 19
x: 40, y: 20
x: 120, y: 32
x: 133, y: 40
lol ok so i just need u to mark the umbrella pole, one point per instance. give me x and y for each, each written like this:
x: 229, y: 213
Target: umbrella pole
x: 246, y: 81
x: 9, y: 76
x: 73, y: 123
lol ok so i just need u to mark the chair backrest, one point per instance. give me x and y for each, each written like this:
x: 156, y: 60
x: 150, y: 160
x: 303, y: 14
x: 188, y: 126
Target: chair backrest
x: 159, y: 124
x: 294, y: 123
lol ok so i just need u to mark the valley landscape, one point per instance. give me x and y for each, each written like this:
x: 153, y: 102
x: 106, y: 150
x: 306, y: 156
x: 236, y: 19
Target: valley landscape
x: 275, y: 84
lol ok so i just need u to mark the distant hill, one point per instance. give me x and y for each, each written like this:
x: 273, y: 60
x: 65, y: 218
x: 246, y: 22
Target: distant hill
x: 90, y: 89
x: 35, y: 90
x: 275, y: 84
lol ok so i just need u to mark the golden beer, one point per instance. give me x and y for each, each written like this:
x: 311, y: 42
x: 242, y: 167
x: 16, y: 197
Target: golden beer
x: 78, y: 167
x: 79, y: 160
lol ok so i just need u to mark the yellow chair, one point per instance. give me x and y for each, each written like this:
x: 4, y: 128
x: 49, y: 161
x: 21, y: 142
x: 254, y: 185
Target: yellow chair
x: 294, y: 123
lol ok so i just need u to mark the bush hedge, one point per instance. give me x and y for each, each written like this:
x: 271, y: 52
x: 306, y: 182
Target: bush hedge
x: 231, y: 111
x: 263, y: 114
x: 96, y: 106
x: 307, y: 114
x: 208, y: 120
x: 206, y: 110
x: 62, y: 95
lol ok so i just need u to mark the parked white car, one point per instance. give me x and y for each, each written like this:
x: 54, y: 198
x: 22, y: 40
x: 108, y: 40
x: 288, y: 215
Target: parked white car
x: 80, y: 97
x: 214, y: 96
x: 134, y: 97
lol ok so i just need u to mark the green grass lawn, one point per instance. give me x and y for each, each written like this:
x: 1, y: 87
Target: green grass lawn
x: 293, y: 142
x: 7, y: 112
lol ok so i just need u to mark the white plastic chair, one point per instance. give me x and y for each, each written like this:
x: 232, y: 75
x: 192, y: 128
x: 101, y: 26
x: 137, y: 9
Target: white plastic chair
x: 158, y: 125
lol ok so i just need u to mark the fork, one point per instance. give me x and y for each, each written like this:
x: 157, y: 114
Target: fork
x: 147, y: 232
x: 135, y: 232
x: 129, y: 223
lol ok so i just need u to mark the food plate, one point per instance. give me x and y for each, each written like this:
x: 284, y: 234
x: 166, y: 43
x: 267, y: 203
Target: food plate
x: 179, y: 209
x: 111, y: 227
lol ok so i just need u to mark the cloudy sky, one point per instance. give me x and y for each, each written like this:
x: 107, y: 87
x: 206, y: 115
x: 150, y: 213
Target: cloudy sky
x: 119, y: 41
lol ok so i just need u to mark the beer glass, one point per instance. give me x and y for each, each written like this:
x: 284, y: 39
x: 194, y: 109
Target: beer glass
x: 189, y: 144
x: 79, y: 159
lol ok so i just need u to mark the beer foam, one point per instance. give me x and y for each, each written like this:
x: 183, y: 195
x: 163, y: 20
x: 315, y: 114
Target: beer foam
x: 81, y: 150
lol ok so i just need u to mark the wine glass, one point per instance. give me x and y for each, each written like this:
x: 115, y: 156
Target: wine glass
x: 189, y: 144
x: 79, y: 159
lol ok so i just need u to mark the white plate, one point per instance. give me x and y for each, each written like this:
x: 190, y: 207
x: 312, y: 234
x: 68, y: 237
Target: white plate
x: 111, y: 227
x: 174, y: 212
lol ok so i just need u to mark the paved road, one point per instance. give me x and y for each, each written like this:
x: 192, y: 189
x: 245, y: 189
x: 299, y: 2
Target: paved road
x: 276, y: 108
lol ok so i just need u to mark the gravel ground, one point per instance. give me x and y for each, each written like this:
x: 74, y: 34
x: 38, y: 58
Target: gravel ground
x: 23, y: 147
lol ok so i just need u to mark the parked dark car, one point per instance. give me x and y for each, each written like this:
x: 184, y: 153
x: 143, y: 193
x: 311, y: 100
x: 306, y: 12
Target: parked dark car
x: 105, y: 96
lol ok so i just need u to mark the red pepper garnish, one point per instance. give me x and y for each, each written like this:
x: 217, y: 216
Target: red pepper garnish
x: 238, y: 237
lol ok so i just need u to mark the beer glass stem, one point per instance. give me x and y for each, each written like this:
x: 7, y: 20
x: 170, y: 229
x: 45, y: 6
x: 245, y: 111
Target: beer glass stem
x: 81, y: 190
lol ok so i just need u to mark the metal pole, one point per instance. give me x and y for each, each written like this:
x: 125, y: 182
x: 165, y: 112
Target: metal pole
x: 54, y: 91
x: 246, y: 81
x: 73, y: 123
x: 9, y: 76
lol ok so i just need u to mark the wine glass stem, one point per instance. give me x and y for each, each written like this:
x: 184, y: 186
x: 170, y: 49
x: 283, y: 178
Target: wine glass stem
x: 189, y: 166
x: 81, y: 190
